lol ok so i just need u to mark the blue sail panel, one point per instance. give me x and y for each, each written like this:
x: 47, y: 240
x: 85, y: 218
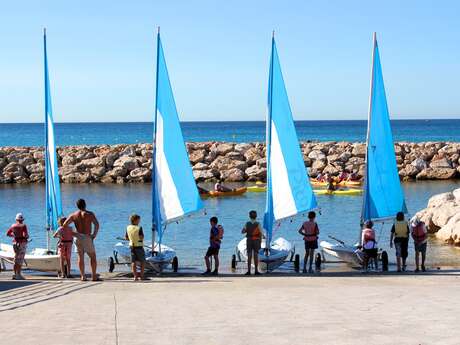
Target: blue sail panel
x: 53, y: 202
x: 174, y: 188
x: 289, y: 191
x: 383, y: 196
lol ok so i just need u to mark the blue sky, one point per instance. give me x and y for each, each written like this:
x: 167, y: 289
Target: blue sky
x: 102, y: 58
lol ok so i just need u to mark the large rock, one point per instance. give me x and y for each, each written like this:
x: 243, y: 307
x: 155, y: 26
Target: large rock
x: 92, y: 162
x: 77, y: 177
x: 140, y: 174
x: 200, y: 166
x: 224, y: 148
x: 36, y: 168
x: 69, y: 161
x: 317, y: 155
x: 359, y: 150
x: 318, y: 165
x: 119, y: 171
x: 331, y: 170
x: 243, y: 147
x: 256, y: 173
x: 129, y: 163
x: 14, y: 170
x: 197, y: 156
x: 450, y: 232
x: 419, y: 164
x: 252, y: 155
x: 232, y: 175
x: 203, y: 175
x: 436, y: 174
x: 441, y: 163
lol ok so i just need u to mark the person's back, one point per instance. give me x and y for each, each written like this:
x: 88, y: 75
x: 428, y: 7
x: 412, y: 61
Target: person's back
x: 253, y: 241
x: 19, y: 233
x: 401, y: 229
x: 134, y: 236
x: 368, y: 238
x: 83, y: 220
x: 310, y: 230
x: 253, y: 230
x: 400, y: 238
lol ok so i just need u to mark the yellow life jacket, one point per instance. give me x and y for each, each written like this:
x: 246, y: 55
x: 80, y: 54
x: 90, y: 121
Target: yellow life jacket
x: 401, y: 229
x: 133, y: 236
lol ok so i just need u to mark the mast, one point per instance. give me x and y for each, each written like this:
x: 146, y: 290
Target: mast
x: 369, y: 118
x: 47, y: 203
x: 156, y: 227
x: 269, y: 202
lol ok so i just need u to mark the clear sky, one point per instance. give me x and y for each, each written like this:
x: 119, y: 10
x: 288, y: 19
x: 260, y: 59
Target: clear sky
x: 102, y: 57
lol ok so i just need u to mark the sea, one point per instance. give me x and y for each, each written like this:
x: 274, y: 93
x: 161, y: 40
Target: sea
x: 113, y: 204
x: 32, y: 134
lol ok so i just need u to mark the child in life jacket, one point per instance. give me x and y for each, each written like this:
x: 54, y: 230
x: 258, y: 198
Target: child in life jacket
x: 400, y: 238
x: 369, y: 245
x: 419, y: 234
x: 310, y: 231
x: 65, y: 236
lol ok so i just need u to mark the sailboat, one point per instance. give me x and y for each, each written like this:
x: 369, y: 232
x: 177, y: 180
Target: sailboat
x: 288, y: 190
x: 174, y: 191
x: 383, y: 195
x: 42, y: 259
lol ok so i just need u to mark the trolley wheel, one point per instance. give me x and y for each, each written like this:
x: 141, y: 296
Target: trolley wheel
x: 175, y: 264
x: 384, y: 261
x: 297, y: 263
x: 233, y: 262
x: 111, y: 264
x: 318, y: 262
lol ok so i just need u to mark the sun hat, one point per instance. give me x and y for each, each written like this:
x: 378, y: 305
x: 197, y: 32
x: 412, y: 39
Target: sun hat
x: 19, y: 216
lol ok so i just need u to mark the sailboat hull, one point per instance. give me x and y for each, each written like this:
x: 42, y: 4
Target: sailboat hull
x: 280, y: 250
x: 157, y: 262
x: 37, y: 260
x: 342, y: 252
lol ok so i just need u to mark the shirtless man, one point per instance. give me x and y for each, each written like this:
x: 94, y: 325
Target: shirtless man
x: 84, y: 221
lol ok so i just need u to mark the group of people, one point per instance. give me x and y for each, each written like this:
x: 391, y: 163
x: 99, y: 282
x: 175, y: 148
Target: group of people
x: 87, y: 227
x: 400, y: 232
x: 86, y: 230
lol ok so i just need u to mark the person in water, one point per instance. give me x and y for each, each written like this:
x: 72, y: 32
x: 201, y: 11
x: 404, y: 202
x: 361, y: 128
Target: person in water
x: 219, y: 187
x: 419, y: 234
x: 343, y: 176
x: 330, y: 184
x: 369, y: 245
x: 400, y: 238
x: 135, y: 235
x: 310, y: 231
x: 87, y: 228
x: 65, y: 235
x: 253, y: 232
x: 215, y: 239
x: 18, y: 231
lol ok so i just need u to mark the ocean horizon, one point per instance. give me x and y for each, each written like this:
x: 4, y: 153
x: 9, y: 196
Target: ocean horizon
x: 98, y: 133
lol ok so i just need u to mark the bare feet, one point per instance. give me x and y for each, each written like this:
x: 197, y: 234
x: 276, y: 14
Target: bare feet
x: 83, y: 278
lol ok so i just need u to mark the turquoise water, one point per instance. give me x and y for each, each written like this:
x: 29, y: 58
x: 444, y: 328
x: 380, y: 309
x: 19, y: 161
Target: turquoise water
x: 114, y: 203
x: 239, y: 131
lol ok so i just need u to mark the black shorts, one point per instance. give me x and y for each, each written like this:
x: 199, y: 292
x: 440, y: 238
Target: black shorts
x: 252, y: 245
x: 137, y: 254
x: 311, y: 244
x: 212, y: 251
x: 371, y: 253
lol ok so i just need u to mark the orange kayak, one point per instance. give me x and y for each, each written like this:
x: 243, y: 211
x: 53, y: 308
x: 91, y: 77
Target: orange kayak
x: 215, y: 194
x: 342, y: 183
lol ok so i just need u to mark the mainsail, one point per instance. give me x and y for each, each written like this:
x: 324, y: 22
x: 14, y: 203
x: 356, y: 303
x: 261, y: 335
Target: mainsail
x: 174, y: 191
x: 288, y: 189
x: 383, y: 195
x: 53, y: 202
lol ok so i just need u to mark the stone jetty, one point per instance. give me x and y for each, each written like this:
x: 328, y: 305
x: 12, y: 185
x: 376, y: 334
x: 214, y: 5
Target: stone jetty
x: 442, y: 217
x: 231, y: 162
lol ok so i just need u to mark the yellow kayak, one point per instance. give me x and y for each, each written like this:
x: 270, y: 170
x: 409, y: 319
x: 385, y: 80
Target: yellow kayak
x: 343, y: 183
x: 344, y: 192
x: 257, y: 188
x: 215, y: 194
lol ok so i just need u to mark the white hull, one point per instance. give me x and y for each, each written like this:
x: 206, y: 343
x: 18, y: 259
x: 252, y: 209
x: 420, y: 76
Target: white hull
x: 157, y: 263
x: 37, y: 260
x: 346, y: 253
x: 271, y: 259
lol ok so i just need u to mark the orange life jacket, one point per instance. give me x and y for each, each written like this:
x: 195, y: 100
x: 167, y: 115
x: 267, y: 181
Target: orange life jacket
x: 252, y: 231
x: 310, y: 229
x: 418, y: 233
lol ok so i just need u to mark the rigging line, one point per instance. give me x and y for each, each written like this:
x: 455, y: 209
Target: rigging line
x: 115, y: 318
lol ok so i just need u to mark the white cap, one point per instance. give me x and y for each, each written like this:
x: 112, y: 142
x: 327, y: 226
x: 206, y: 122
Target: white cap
x: 19, y: 216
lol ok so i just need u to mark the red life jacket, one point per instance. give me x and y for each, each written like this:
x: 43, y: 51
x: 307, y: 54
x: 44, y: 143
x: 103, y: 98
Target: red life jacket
x: 310, y: 229
x: 369, y: 235
x: 418, y: 233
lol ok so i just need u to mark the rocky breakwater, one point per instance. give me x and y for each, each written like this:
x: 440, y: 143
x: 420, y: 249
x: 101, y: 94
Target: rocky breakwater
x: 442, y: 217
x: 229, y: 162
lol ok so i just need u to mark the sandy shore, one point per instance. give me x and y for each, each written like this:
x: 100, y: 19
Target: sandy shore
x: 332, y: 308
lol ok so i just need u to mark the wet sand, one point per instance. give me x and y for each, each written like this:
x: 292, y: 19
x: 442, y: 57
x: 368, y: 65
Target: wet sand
x: 329, y: 308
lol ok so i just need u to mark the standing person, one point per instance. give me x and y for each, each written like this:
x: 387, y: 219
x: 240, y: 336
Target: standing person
x: 400, y: 237
x: 84, y: 221
x: 135, y: 235
x: 253, y: 233
x: 20, y: 237
x: 369, y: 244
x: 419, y: 234
x: 215, y: 239
x: 65, y: 235
x: 310, y: 232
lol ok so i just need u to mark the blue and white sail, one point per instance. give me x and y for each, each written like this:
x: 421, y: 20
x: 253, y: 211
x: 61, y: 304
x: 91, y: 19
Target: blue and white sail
x: 174, y: 191
x: 288, y: 188
x: 53, y: 202
x: 383, y: 195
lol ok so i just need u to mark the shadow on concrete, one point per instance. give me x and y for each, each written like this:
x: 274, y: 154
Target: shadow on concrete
x: 9, y: 285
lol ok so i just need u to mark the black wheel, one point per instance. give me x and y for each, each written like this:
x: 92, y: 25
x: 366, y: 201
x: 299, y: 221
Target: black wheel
x: 111, y: 264
x: 233, y: 262
x: 318, y: 262
x: 175, y: 264
x: 297, y: 263
x: 384, y: 261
